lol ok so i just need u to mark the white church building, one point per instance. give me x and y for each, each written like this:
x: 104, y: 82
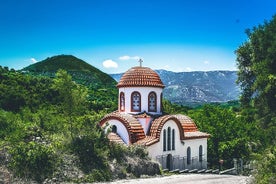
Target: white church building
x: 172, y: 140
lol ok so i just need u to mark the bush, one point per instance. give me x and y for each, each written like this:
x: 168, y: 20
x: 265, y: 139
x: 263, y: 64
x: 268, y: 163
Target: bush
x: 139, y: 151
x: 266, y: 166
x: 33, y: 160
x: 91, y: 151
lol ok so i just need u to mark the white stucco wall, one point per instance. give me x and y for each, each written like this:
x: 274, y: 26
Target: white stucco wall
x: 180, y: 145
x: 145, y: 122
x: 144, y: 91
x: 121, y: 129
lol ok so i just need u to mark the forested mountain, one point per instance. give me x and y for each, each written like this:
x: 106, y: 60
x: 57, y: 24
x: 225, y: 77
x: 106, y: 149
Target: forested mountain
x: 102, y: 87
x: 193, y: 88
x: 81, y: 71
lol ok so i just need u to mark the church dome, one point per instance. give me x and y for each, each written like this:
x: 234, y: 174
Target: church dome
x: 139, y: 77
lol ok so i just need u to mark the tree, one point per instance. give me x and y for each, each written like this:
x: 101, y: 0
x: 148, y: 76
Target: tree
x: 256, y: 60
x: 228, y: 138
x: 73, y: 97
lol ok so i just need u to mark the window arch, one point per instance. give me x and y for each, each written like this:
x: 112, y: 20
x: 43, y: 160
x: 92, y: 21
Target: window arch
x: 169, y: 138
x: 152, y: 102
x: 200, y: 153
x: 114, y: 129
x: 188, y: 155
x: 135, y: 102
x: 122, y: 101
x: 164, y: 140
x: 173, y: 139
x: 161, y: 102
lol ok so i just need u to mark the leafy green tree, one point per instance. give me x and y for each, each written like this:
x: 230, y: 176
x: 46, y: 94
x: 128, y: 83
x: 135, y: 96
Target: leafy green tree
x: 228, y: 133
x: 73, y: 97
x: 256, y: 60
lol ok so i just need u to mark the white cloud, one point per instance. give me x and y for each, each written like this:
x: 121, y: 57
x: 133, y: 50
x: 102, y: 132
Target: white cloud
x: 206, y: 62
x: 124, y: 58
x: 33, y: 60
x: 129, y: 58
x: 188, y: 69
x: 110, y: 64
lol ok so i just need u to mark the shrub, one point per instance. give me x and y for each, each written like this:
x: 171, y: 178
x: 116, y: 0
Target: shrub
x: 33, y: 160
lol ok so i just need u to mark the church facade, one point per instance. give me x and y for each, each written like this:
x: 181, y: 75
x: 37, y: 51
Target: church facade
x: 172, y: 140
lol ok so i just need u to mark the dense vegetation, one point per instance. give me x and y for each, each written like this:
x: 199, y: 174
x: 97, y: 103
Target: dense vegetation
x: 49, y: 132
x: 256, y: 60
x: 102, y: 91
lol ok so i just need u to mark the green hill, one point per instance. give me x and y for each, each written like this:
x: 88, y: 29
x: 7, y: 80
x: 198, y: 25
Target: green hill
x: 102, y: 88
x: 81, y: 71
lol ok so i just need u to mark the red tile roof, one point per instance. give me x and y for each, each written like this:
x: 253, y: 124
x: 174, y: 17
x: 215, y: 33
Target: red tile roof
x: 140, y: 76
x: 147, y: 141
x: 187, y: 127
x: 133, y: 126
x: 158, y: 124
x: 113, y: 137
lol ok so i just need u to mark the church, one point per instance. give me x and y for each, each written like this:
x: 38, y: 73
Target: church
x: 171, y: 139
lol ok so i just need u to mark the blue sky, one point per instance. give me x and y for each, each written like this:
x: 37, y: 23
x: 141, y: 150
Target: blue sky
x: 177, y: 35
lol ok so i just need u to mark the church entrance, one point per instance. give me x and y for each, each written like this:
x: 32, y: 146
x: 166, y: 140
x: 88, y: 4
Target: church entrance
x: 169, y: 162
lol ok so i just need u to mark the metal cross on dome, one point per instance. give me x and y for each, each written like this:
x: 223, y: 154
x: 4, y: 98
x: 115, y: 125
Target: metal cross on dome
x: 140, y: 61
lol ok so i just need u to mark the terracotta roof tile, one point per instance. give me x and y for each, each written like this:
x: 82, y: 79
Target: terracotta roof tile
x: 158, y: 124
x: 113, y: 137
x: 147, y: 141
x: 186, y: 125
x: 188, y: 129
x: 133, y: 126
x: 140, y: 76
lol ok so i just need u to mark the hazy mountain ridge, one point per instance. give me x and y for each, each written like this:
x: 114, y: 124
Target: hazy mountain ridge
x: 187, y: 88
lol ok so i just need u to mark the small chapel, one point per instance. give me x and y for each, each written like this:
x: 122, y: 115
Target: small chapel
x: 171, y: 139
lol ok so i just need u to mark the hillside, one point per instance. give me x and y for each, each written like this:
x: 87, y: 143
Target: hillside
x: 102, y: 88
x: 193, y: 88
x: 81, y: 71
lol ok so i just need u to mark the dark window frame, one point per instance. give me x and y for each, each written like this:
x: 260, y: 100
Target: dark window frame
x: 132, y: 102
x: 169, y: 148
x: 200, y: 153
x: 188, y: 155
x: 173, y: 139
x: 155, y: 102
x: 122, y: 104
x: 164, y: 140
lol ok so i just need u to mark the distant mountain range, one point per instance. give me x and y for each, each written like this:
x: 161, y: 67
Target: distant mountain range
x: 193, y: 88
x: 184, y: 88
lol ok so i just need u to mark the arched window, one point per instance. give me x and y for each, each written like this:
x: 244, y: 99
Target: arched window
x: 188, y: 155
x: 200, y: 153
x: 114, y: 129
x: 164, y: 140
x: 169, y: 138
x: 152, y: 102
x: 161, y: 102
x: 135, y: 102
x: 173, y: 139
x: 122, y: 101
